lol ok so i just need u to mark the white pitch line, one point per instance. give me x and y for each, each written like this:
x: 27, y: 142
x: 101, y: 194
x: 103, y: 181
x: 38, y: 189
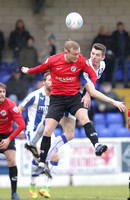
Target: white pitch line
x: 81, y: 198
x: 94, y: 198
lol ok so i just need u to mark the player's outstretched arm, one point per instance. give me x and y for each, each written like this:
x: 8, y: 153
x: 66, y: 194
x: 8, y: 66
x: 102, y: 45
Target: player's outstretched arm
x: 98, y: 95
x: 25, y: 70
x: 120, y: 105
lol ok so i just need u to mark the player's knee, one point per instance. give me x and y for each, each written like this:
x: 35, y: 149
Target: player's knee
x: 48, y: 132
x: 11, y: 162
x: 84, y: 119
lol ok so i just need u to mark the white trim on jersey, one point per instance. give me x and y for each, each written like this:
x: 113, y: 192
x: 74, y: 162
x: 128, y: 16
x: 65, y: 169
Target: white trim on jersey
x: 101, y: 68
x: 84, y: 77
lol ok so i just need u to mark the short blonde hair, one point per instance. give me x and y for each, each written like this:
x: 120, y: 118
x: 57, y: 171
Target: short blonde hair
x: 71, y: 44
x: 2, y: 86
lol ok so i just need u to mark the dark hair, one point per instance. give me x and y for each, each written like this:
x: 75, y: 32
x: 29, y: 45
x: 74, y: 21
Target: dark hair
x: 17, y: 70
x: 101, y: 47
x: 45, y: 76
x: 16, y: 25
x: 2, y: 86
x: 30, y: 37
x: 120, y: 23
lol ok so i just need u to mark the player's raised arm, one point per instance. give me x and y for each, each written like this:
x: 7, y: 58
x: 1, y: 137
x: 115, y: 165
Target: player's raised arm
x: 98, y: 95
x: 39, y: 69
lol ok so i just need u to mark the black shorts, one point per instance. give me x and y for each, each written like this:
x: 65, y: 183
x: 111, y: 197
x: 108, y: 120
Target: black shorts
x: 60, y: 103
x: 11, y: 144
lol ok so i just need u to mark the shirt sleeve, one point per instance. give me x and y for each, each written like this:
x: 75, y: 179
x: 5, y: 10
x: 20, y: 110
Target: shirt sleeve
x: 41, y: 68
x: 18, y: 119
x: 129, y: 113
x: 28, y: 101
x: 84, y: 78
x: 88, y: 69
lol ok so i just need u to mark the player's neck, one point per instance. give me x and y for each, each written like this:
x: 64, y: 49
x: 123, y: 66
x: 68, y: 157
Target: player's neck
x: 46, y: 91
x: 96, y: 67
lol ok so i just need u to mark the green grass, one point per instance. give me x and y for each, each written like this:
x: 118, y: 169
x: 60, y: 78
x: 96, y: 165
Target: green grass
x: 75, y: 193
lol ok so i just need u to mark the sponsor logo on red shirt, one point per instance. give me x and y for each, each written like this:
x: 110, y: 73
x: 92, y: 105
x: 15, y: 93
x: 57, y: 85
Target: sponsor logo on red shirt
x: 65, y: 79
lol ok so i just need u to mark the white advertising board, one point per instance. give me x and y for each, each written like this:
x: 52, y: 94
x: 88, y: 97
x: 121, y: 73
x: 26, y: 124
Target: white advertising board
x: 78, y: 157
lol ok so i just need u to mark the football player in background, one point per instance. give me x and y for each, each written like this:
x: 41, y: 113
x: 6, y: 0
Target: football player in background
x: 37, y: 103
x: 9, y: 112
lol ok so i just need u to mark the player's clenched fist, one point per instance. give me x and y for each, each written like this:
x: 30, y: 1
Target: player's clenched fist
x: 25, y: 70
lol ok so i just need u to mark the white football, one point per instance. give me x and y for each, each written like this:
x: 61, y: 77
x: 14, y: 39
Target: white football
x: 74, y: 21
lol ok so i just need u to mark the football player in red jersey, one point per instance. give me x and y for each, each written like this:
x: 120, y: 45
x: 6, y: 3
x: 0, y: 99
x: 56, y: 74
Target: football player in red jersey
x: 65, y: 68
x: 9, y: 112
x: 129, y: 119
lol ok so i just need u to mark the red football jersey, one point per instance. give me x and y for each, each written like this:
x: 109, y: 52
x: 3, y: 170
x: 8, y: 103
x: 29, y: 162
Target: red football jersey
x: 129, y: 113
x: 64, y: 75
x: 9, y: 112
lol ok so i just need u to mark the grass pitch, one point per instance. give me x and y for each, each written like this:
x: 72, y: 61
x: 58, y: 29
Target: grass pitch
x: 75, y: 193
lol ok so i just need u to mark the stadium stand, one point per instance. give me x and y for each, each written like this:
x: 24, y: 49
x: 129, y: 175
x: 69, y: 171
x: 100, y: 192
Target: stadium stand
x: 4, y: 67
x: 105, y: 132
x: 82, y: 133
x: 58, y: 131
x: 115, y: 119
x: 77, y: 133
x: 122, y: 132
x: 4, y: 76
x: 110, y: 125
x: 99, y: 119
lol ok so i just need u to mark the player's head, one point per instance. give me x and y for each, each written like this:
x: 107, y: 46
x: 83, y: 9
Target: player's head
x: 97, y: 53
x: 72, y: 51
x: 47, y: 81
x: 19, y: 25
x: 120, y: 27
x: 2, y: 92
x: 30, y: 41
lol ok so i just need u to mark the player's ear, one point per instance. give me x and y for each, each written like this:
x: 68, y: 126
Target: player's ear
x: 103, y: 57
x: 65, y: 50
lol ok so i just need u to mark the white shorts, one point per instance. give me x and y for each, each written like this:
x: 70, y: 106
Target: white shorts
x: 68, y: 114
x: 31, y: 135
